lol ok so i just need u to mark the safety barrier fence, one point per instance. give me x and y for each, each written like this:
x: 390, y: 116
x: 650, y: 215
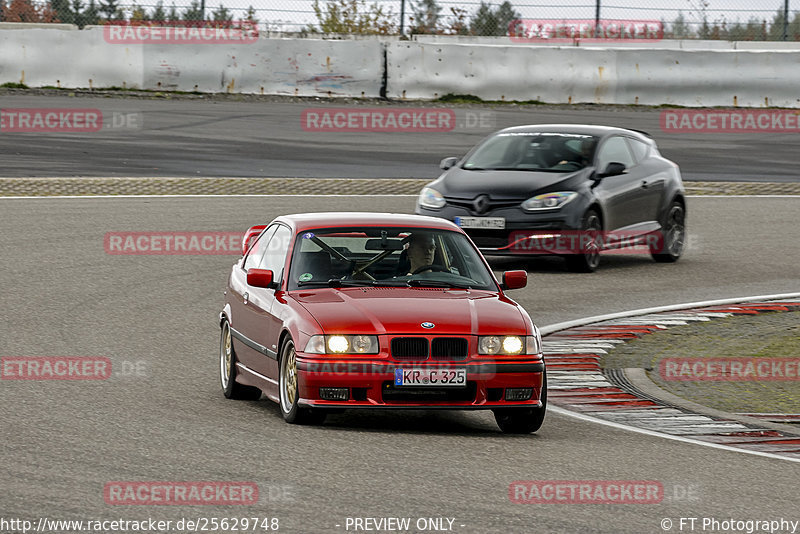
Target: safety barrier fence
x: 232, y: 60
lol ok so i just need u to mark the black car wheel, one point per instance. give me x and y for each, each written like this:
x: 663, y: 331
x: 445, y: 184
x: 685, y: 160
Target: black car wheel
x: 289, y: 389
x: 227, y: 369
x: 674, y: 235
x: 588, y: 257
x: 523, y: 420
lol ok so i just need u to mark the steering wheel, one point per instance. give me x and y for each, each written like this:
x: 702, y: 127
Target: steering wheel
x: 569, y: 165
x: 435, y: 267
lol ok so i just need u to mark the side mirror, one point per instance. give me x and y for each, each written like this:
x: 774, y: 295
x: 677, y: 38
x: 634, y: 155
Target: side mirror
x: 259, y: 278
x: 515, y: 279
x: 448, y: 163
x: 250, y: 235
x: 613, y: 169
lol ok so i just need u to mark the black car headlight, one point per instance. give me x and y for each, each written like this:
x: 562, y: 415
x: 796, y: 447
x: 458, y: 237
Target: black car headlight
x: 431, y: 198
x: 342, y: 344
x: 549, y: 201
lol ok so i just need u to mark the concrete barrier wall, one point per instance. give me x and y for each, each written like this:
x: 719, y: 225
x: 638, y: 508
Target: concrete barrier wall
x: 302, y: 67
x: 669, y: 44
x: 269, y: 66
x: 71, y: 58
x: 708, y: 78
x: 754, y: 78
x: 67, y: 58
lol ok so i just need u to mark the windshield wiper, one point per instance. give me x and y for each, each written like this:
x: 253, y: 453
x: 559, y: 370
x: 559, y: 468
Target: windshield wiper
x: 435, y: 283
x: 506, y: 169
x: 335, y: 282
x: 339, y: 282
x: 312, y: 283
x: 522, y: 169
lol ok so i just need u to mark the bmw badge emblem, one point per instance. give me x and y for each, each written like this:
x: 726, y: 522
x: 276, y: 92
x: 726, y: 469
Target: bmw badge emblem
x: 427, y: 325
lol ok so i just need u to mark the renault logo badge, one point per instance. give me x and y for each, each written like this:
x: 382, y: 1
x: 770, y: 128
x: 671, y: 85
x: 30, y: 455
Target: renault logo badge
x: 481, y: 204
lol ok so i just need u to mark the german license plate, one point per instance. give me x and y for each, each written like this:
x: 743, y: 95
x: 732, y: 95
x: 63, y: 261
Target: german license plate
x: 497, y: 223
x: 421, y: 376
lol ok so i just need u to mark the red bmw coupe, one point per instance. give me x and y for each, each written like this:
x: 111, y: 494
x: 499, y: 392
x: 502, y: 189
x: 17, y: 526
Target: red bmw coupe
x: 327, y: 311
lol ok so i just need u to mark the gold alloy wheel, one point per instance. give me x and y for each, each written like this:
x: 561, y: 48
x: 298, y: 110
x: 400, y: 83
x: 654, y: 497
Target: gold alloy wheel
x: 226, y: 356
x: 289, y: 389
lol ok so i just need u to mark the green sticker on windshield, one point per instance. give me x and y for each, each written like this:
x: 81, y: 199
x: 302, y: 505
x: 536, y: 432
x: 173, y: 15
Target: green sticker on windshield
x: 305, y: 277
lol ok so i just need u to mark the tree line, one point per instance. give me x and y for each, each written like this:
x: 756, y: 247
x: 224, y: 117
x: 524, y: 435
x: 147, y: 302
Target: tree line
x: 108, y: 11
x: 754, y: 29
x: 360, y: 17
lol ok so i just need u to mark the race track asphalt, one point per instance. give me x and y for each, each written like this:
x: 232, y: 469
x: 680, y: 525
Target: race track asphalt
x: 62, y: 295
x: 264, y: 138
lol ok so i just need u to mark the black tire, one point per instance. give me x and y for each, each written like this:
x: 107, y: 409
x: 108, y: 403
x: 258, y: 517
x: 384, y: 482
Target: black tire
x: 227, y: 369
x: 674, y: 235
x: 522, y: 420
x: 289, y: 390
x: 587, y: 262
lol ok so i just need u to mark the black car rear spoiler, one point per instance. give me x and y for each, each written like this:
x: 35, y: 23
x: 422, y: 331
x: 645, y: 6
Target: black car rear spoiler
x: 641, y: 132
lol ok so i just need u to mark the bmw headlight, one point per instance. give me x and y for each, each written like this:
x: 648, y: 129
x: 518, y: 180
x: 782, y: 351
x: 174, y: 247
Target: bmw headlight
x: 342, y: 344
x: 534, y: 342
x: 338, y: 344
x: 509, y: 345
x: 548, y: 201
x: 431, y: 198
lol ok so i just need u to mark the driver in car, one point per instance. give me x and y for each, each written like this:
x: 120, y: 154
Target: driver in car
x: 421, y: 251
x: 584, y: 158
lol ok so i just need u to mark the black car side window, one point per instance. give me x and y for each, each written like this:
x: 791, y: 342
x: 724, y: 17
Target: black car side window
x: 257, y: 250
x: 614, y: 150
x: 275, y: 255
x: 640, y: 150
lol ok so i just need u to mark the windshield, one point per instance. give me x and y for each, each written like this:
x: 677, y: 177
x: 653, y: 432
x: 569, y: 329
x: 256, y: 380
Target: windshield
x: 387, y: 256
x: 534, y: 151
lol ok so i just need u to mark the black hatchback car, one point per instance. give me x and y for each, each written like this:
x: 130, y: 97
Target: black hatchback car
x: 569, y: 190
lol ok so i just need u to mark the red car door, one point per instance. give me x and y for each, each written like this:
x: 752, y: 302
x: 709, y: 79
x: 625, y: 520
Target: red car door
x: 238, y: 298
x: 260, y: 314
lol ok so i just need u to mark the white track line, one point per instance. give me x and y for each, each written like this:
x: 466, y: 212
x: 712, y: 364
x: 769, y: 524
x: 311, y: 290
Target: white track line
x: 223, y: 195
x: 644, y: 311
x: 198, y: 196
x: 743, y: 196
x: 590, y: 419
x: 656, y: 309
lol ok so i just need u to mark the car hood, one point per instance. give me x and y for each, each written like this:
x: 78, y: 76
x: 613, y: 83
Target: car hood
x: 402, y: 311
x: 461, y: 183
